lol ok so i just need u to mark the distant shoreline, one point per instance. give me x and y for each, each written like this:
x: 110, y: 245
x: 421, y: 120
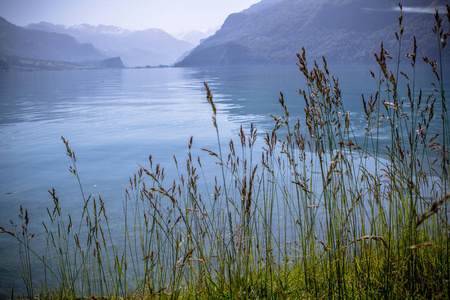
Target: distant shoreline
x: 13, y: 63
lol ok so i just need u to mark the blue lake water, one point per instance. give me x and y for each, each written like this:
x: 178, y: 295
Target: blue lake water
x: 114, y: 119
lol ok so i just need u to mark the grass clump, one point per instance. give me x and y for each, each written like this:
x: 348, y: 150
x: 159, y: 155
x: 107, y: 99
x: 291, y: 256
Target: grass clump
x: 316, y: 212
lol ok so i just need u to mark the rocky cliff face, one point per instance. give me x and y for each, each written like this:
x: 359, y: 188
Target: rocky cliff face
x: 272, y: 31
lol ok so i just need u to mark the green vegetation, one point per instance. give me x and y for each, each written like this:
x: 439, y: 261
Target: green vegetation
x: 317, y: 214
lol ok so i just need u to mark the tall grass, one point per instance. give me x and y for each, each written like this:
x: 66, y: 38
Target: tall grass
x: 317, y: 212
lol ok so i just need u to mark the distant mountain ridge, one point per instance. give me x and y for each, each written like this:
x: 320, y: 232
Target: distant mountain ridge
x: 35, y: 44
x: 272, y: 31
x: 135, y: 47
x: 194, y: 37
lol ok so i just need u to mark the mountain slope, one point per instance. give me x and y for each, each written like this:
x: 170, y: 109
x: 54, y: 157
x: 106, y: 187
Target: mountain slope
x: 272, y: 31
x: 136, y: 48
x: 35, y: 44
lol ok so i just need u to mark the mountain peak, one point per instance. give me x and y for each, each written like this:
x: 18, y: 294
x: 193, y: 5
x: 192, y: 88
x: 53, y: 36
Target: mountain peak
x: 103, y: 29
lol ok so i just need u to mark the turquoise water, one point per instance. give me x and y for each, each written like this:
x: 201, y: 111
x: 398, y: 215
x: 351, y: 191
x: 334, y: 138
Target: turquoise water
x: 114, y: 119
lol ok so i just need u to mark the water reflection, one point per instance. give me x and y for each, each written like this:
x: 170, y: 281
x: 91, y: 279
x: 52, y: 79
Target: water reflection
x: 251, y: 94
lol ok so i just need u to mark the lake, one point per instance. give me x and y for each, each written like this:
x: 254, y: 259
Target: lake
x: 115, y: 119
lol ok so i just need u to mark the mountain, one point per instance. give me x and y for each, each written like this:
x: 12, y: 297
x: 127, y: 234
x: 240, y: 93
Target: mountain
x: 194, y: 37
x: 345, y: 31
x: 136, y: 48
x: 20, y: 42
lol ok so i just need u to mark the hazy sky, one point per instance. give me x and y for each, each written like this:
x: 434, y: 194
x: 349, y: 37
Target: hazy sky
x: 172, y: 16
